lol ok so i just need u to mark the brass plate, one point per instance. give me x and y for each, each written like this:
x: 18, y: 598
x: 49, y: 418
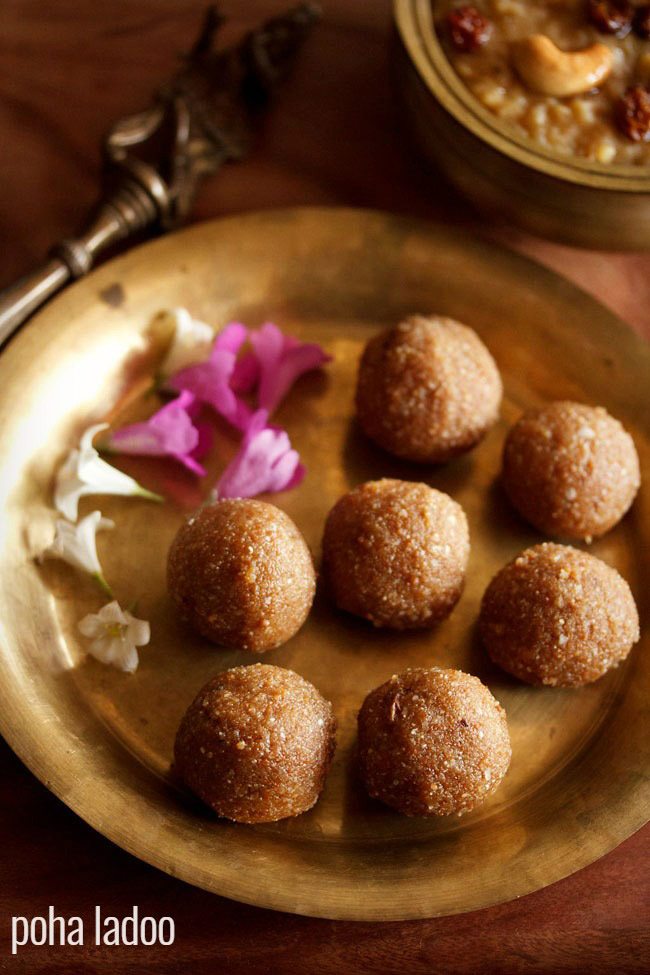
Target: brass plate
x: 102, y: 740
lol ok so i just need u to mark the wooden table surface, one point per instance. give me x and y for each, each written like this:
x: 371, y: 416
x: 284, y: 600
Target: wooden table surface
x: 66, y: 70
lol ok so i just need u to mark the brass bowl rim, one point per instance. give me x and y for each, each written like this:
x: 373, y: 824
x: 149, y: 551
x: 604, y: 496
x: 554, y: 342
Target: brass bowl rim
x: 415, y: 27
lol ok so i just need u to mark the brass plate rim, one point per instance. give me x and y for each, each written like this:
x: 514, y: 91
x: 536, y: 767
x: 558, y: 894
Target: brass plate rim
x: 31, y: 747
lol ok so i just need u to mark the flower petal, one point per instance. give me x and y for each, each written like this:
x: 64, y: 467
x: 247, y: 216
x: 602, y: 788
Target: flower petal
x: 112, y: 614
x: 192, y: 465
x: 87, y: 541
x: 139, y: 631
x: 129, y: 660
x: 170, y: 432
x: 210, y: 381
x: 205, y: 440
x: 68, y: 488
x: 282, y: 359
x: 84, y: 472
x: 105, y: 648
x: 245, y: 374
x: 76, y: 544
x: 116, y: 634
x: 91, y: 625
x: 98, y: 477
x: 87, y: 437
x: 137, y: 439
x: 230, y: 338
x: 190, y: 342
x: 264, y: 462
x: 288, y: 472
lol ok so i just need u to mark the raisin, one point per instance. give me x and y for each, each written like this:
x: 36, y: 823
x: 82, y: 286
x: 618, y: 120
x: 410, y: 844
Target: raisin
x: 611, y: 16
x: 468, y: 28
x: 633, y: 113
x: 641, y: 22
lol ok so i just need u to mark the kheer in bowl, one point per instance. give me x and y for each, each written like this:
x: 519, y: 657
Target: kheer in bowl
x: 538, y: 112
x: 573, y: 77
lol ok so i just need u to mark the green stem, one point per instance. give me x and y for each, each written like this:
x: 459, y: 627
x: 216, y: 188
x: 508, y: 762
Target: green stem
x: 149, y: 495
x: 103, y: 585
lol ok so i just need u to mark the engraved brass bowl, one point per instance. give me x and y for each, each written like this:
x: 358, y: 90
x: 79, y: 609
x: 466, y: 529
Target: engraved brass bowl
x: 102, y: 740
x: 505, y: 175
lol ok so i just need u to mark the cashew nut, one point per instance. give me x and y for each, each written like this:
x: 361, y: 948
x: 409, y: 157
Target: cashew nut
x: 544, y: 68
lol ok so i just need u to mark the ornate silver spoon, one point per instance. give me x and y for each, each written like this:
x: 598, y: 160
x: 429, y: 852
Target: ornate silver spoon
x: 155, y: 160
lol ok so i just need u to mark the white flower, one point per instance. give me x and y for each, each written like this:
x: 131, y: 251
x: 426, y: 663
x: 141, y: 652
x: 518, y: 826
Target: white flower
x: 115, y: 634
x: 84, y: 472
x: 77, y: 545
x: 191, y: 341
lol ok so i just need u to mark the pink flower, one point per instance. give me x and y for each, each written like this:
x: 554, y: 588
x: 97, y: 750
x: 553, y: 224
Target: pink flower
x: 281, y: 360
x: 171, y: 432
x: 245, y: 374
x: 209, y: 381
x: 264, y: 462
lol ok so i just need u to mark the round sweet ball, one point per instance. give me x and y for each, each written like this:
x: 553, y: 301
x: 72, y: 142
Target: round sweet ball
x: 240, y: 573
x: 571, y: 470
x: 432, y: 742
x: 256, y: 744
x: 427, y: 389
x: 395, y: 553
x: 558, y: 616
